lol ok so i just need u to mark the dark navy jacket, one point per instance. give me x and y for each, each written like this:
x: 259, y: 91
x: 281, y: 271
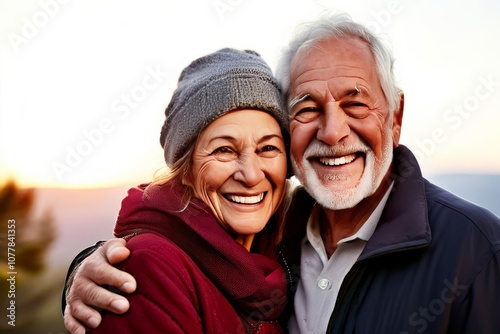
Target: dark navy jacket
x: 431, y: 266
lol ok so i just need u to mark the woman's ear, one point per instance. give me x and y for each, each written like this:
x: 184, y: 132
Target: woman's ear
x: 186, y: 180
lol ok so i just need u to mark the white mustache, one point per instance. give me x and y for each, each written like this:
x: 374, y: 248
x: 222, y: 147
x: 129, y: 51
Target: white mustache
x: 318, y: 149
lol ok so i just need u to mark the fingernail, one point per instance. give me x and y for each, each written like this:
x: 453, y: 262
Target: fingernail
x: 93, y: 322
x: 120, y: 305
x: 127, y: 287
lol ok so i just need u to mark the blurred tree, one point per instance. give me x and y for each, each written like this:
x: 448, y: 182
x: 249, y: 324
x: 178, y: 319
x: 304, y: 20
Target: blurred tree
x: 26, y: 239
x: 33, y: 235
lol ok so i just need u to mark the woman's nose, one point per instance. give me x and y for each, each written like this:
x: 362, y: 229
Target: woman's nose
x: 249, y: 170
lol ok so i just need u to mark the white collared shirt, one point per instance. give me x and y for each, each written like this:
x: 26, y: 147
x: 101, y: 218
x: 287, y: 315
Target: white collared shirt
x: 321, y: 277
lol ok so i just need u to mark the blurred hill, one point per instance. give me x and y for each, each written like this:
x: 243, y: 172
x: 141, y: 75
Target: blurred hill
x: 82, y: 216
x: 482, y: 189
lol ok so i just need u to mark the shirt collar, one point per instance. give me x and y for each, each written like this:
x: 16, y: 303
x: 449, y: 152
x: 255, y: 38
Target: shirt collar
x: 364, y: 233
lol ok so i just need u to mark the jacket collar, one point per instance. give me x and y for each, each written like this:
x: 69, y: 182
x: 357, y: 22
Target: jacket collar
x: 404, y: 222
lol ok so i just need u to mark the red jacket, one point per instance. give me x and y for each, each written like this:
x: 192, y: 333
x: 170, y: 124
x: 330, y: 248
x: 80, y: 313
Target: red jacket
x: 192, y: 276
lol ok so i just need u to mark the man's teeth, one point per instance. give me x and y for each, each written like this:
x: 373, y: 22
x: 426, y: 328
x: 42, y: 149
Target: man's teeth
x: 246, y: 199
x: 338, y: 161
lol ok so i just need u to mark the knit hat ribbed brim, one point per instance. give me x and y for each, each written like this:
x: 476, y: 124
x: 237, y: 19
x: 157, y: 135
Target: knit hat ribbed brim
x: 212, y: 86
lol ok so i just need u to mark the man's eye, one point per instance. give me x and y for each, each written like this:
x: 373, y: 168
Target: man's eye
x: 356, y: 109
x: 307, y: 115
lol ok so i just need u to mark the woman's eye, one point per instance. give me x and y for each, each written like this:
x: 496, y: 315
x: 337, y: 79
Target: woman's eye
x: 224, y: 153
x: 222, y: 150
x: 269, y: 151
x: 269, y: 148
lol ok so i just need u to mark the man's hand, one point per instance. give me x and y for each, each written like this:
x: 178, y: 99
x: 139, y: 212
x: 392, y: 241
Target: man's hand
x: 85, y: 292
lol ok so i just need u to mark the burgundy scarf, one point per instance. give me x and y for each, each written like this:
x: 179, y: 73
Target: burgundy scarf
x: 251, y: 282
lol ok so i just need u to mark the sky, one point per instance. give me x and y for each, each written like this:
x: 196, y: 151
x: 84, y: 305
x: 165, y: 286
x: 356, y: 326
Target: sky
x: 84, y: 84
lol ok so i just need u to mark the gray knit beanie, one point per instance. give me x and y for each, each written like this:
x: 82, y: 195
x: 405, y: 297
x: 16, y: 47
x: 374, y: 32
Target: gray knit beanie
x: 213, y: 85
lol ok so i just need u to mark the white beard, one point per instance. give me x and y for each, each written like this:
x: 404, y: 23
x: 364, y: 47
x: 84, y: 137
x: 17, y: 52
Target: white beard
x: 373, y: 174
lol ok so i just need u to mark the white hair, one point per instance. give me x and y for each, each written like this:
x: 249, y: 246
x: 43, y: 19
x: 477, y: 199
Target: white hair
x: 336, y: 25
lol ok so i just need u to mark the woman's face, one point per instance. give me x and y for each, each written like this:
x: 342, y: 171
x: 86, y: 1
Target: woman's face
x: 239, y: 169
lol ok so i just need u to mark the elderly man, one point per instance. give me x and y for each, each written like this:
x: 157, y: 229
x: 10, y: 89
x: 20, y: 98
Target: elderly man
x: 374, y: 246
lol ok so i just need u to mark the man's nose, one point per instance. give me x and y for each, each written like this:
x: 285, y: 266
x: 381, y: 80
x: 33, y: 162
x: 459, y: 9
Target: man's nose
x: 333, y: 125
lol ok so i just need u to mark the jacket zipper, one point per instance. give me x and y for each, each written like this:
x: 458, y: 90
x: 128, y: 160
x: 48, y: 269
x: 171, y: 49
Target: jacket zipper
x: 348, y: 280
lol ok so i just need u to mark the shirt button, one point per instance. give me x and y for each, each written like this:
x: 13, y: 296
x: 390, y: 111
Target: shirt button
x: 324, y: 284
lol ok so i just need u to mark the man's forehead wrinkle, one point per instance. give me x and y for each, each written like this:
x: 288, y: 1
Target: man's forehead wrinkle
x: 318, y: 74
x: 327, y: 74
x: 331, y: 84
x: 325, y: 70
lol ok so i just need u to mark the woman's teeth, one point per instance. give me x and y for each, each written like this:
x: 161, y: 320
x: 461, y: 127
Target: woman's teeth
x: 246, y: 199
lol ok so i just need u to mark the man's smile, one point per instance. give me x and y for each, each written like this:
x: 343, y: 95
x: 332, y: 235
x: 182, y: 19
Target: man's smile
x: 337, y: 161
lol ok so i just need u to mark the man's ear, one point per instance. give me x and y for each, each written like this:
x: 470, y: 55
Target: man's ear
x: 397, y: 121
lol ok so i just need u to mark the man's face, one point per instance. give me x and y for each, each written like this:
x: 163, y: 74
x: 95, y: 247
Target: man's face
x: 342, y: 132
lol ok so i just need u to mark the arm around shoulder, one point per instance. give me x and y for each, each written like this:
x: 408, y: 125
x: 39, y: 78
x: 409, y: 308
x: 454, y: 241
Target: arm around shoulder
x: 80, y: 257
x: 167, y: 295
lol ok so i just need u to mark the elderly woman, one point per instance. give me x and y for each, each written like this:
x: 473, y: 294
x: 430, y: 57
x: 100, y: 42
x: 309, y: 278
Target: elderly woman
x: 191, y: 232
